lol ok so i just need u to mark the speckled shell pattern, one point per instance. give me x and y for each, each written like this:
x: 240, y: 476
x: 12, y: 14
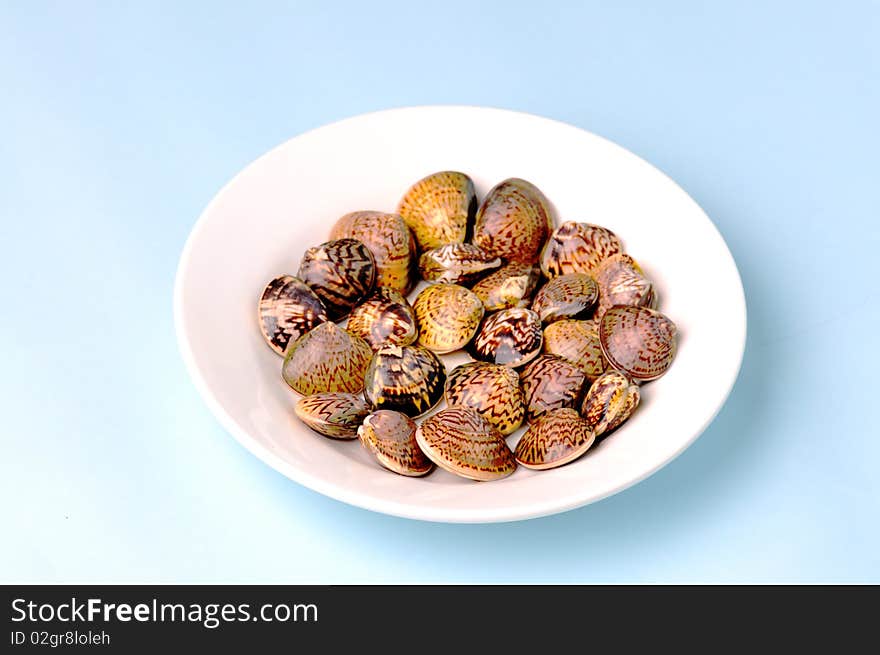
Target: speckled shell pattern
x: 459, y: 440
x: 511, y: 337
x: 341, y: 272
x: 391, y: 438
x: 622, y: 282
x: 407, y: 379
x: 556, y: 438
x: 288, y: 309
x: 637, y: 341
x: 578, y: 342
x: 551, y: 382
x: 514, y: 221
x: 333, y: 414
x: 490, y: 389
x: 456, y: 263
x: 511, y: 285
x: 567, y: 296
x: 390, y: 241
x: 440, y: 209
x: 385, y: 318
x: 448, y: 316
x: 578, y: 248
x: 327, y: 358
x: 610, y: 401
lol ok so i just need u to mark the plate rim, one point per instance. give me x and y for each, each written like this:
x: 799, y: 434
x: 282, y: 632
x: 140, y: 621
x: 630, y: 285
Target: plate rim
x: 391, y: 507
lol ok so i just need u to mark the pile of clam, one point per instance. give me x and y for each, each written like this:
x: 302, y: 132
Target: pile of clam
x: 560, y: 322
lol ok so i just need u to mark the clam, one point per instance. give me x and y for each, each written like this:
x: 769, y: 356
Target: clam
x: 610, y: 401
x: 573, y: 295
x: 327, y: 358
x: 408, y: 379
x: 334, y: 414
x: 622, y: 282
x: 341, y: 272
x: 510, y: 286
x: 385, y: 318
x: 389, y: 240
x: 578, y: 248
x: 551, y: 382
x: 510, y: 337
x: 514, y: 221
x: 391, y: 437
x: 448, y: 316
x: 556, y: 438
x: 440, y: 209
x: 637, y: 341
x: 459, y: 440
x: 490, y: 389
x: 578, y: 342
x: 456, y: 263
x: 288, y: 309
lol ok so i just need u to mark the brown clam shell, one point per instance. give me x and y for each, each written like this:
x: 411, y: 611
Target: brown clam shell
x: 573, y: 295
x: 510, y: 286
x: 448, y: 316
x: 514, y: 221
x: 578, y: 248
x: 578, y: 342
x: 622, y: 282
x: 440, y: 209
x: 408, y: 379
x: 637, y: 341
x: 288, y: 309
x: 391, y: 437
x: 385, y: 318
x: 327, y: 358
x: 456, y: 263
x: 491, y: 389
x: 610, y: 401
x: 333, y: 414
x: 556, y: 438
x: 390, y: 241
x: 510, y: 337
x: 551, y: 382
x: 341, y: 272
x: 459, y: 440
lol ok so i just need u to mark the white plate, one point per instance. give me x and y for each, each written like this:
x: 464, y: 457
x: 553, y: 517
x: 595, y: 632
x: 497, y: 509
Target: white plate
x: 260, y: 223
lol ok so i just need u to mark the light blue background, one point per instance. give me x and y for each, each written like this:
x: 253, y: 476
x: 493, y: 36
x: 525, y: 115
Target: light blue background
x: 120, y: 122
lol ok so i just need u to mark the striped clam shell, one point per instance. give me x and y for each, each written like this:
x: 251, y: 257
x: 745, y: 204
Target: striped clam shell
x: 622, y: 282
x: 573, y: 295
x: 440, y: 209
x: 556, y: 438
x: 610, y: 401
x: 288, y: 309
x: 457, y: 263
x: 490, y: 389
x: 637, y: 341
x: 408, y: 379
x: 510, y: 286
x: 385, y: 318
x: 514, y: 221
x: 391, y: 438
x: 578, y: 342
x: 341, y: 272
x: 459, y: 440
x: 511, y: 337
x: 578, y: 248
x: 333, y: 414
x: 448, y: 316
x: 551, y: 382
x: 390, y: 241
x: 327, y: 358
